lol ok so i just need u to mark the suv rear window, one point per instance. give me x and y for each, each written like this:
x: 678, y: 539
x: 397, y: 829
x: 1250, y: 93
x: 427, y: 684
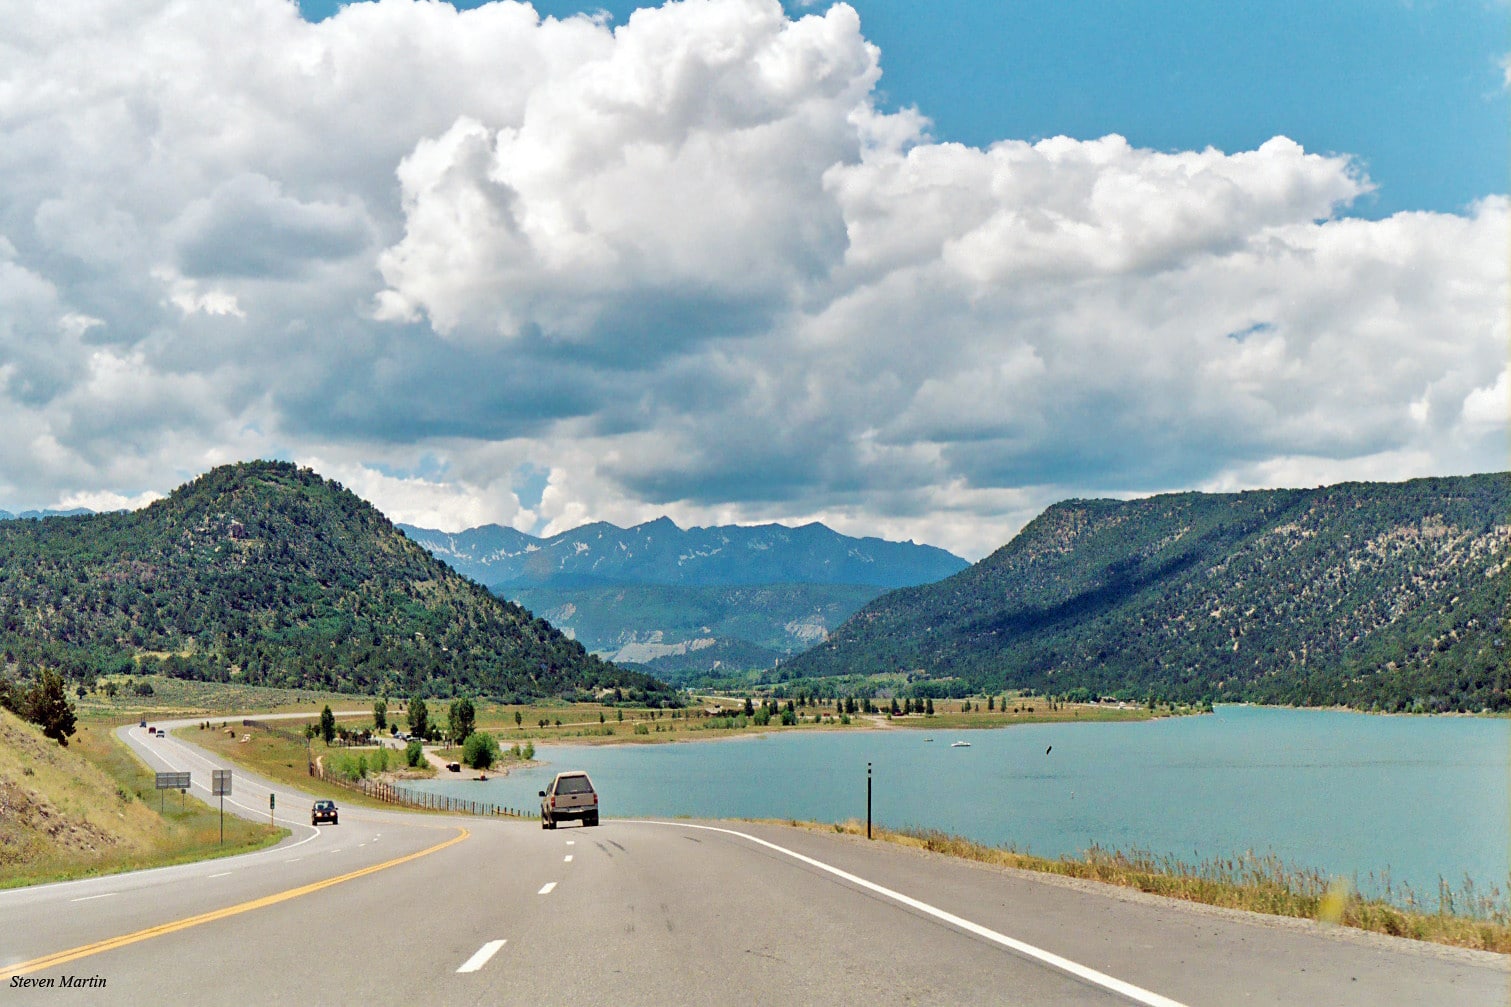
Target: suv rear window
x: 574, y: 785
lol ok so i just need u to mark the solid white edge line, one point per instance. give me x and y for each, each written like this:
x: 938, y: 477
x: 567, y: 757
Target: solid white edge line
x: 480, y: 959
x: 546, y: 888
x: 1135, y: 993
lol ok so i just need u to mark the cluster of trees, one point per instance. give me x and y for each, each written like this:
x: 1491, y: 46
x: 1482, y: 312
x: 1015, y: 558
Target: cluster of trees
x: 44, y: 703
x: 1391, y: 596
x: 264, y: 573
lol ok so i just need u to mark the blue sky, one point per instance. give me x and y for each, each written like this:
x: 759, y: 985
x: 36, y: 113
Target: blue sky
x: 911, y: 270
x: 1414, y: 89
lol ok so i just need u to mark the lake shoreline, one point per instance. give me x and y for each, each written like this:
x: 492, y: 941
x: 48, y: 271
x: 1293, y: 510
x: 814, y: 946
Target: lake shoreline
x: 1306, y: 786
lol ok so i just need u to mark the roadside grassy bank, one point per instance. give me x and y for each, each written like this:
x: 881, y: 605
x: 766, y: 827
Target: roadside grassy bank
x: 1465, y: 917
x: 92, y: 808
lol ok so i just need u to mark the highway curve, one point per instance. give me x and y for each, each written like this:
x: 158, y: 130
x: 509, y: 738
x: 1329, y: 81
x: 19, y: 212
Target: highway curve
x: 389, y: 907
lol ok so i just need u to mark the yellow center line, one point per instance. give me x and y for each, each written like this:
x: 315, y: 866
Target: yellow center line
x: 111, y: 943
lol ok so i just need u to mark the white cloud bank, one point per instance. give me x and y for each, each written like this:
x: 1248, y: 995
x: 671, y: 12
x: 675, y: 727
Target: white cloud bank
x: 686, y: 266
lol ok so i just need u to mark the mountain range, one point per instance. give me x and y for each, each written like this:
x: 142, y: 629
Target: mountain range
x: 659, y: 552
x: 1390, y: 596
x: 681, y: 602
x: 37, y: 515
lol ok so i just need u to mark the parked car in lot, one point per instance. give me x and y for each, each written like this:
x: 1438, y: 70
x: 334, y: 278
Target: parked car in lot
x: 323, y: 811
x: 570, y: 795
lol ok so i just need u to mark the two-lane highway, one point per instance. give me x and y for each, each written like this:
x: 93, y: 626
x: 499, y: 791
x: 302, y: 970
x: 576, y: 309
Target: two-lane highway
x: 483, y: 911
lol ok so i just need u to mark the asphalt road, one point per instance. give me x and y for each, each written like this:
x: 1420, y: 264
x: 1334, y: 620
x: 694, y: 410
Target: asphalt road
x: 391, y: 908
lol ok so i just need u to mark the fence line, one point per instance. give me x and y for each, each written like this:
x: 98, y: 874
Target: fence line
x: 390, y: 793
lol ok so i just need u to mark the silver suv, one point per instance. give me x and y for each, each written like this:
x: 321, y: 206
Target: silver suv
x: 570, y: 795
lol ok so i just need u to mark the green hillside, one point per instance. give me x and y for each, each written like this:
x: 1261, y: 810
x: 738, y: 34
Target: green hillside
x: 1389, y: 596
x: 267, y: 574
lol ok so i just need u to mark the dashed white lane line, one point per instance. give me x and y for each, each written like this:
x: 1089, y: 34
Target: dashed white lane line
x: 546, y: 888
x: 571, y: 842
x: 567, y: 859
x: 222, y: 874
x: 87, y: 898
x: 480, y: 959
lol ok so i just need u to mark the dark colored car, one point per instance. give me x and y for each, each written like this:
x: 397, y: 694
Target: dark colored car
x: 570, y: 795
x: 323, y: 811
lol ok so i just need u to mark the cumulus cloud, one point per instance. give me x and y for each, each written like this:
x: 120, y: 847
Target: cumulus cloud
x: 675, y: 175
x: 682, y: 265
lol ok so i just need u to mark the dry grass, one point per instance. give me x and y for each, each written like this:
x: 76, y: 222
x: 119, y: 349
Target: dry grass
x: 1465, y: 917
x: 176, y: 697
x: 92, y: 808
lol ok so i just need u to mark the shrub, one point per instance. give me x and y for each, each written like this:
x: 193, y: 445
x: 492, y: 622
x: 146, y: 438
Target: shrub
x: 642, y: 729
x: 349, y: 768
x: 414, y: 754
x: 480, y: 750
x: 529, y: 751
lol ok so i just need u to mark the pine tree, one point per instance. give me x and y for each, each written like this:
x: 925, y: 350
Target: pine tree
x: 48, y: 706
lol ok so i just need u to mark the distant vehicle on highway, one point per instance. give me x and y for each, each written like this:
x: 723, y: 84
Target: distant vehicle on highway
x: 570, y: 795
x: 143, y: 723
x: 323, y: 811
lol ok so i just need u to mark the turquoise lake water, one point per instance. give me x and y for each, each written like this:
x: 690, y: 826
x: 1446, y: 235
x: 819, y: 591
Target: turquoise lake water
x: 1421, y: 798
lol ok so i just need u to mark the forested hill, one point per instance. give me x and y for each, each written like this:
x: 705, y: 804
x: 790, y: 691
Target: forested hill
x: 266, y: 573
x: 1367, y: 594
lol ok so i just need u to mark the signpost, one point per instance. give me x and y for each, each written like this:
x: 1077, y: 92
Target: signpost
x: 170, y: 781
x: 220, y: 787
x: 272, y: 801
